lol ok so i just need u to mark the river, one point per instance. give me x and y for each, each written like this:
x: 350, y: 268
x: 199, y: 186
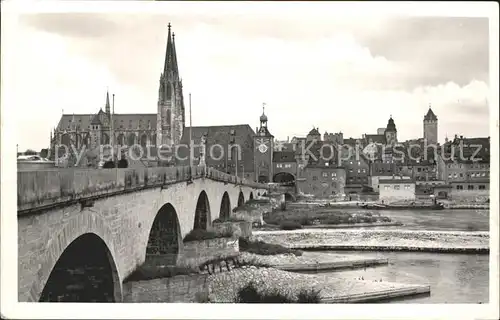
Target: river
x: 454, y: 278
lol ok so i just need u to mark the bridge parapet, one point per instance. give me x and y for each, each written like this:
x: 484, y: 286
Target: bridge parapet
x: 46, y: 188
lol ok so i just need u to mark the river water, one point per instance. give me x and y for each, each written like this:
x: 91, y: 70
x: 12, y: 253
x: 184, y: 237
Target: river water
x: 454, y: 278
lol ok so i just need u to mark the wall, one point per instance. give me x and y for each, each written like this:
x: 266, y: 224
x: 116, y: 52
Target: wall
x: 198, y: 252
x: 322, y: 182
x: 374, y: 181
x: 239, y: 229
x: 123, y: 220
x: 466, y: 195
x: 35, y: 165
x: 37, y: 188
x: 391, y: 194
x: 176, y: 289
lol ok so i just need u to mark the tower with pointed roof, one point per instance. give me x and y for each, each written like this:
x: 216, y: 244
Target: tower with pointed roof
x: 171, y: 114
x: 263, y: 152
x: 391, y: 133
x: 430, y: 127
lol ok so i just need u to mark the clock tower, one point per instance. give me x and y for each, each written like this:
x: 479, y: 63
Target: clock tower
x: 263, y: 151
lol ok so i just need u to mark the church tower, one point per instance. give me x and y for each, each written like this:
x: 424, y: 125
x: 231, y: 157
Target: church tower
x: 391, y: 134
x: 171, y: 114
x: 263, y: 152
x: 430, y: 127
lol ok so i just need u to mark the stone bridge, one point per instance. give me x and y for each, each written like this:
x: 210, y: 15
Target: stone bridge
x: 113, y: 220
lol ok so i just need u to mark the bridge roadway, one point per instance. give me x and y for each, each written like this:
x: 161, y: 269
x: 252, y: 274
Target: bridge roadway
x: 113, y: 219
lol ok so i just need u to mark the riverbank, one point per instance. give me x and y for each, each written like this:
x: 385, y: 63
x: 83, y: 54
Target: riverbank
x: 223, y: 287
x: 383, y: 240
x: 311, y: 261
x: 317, y: 217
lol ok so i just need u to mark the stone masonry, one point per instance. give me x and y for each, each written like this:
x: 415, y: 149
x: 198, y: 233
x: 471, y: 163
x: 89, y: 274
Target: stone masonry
x: 122, y: 221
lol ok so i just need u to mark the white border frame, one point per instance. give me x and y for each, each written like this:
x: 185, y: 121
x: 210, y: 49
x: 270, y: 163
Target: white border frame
x: 12, y: 309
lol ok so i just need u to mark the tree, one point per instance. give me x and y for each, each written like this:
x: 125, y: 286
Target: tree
x: 30, y: 152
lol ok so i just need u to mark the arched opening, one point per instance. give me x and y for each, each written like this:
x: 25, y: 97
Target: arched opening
x: 86, y: 140
x: 164, y: 237
x: 284, y: 179
x: 85, y: 272
x: 202, y: 213
x: 144, y: 141
x: 121, y: 139
x: 131, y: 139
x: 241, y: 199
x: 225, y: 207
x: 105, y: 138
x: 442, y: 194
x: 66, y: 140
x: 122, y: 163
x: 251, y: 196
x: 153, y: 140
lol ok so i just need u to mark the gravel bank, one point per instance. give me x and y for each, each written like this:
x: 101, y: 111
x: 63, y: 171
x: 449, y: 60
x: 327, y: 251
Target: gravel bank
x: 223, y: 287
x: 379, y: 239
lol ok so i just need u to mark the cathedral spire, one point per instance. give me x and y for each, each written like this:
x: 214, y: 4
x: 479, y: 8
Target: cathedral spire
x: 108, y: 109
x: 174, y: 56
x: 170, y: 56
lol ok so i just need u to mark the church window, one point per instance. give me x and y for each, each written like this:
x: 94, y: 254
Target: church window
x: 325, y: 174
x: 168, y: 116
x: 169, y: 91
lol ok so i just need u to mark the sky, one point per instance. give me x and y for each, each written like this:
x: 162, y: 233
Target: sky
x: 348, y: 74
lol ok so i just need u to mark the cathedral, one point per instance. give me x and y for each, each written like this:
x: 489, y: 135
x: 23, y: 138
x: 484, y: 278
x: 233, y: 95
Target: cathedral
x: 105, y: 127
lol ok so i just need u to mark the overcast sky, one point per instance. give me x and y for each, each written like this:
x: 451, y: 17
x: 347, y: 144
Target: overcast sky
x: 343, y: 74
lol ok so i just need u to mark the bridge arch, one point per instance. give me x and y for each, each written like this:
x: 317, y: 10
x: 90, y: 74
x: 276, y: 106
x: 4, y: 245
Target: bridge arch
x: 84, y: 272
x: 165, y: 237
x: 202, y: 217
x: 241, y: 199
x: 284, y: 178
x: 225, y: 207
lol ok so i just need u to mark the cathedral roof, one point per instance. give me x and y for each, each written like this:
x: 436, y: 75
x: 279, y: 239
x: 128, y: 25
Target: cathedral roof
x: 430, y: 115
x: 120, y: 121
x: 97, y: 118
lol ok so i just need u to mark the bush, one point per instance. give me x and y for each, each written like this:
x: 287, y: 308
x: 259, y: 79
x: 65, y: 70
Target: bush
x: 230, y: 219
x: 250, y: 294
x: 202, y: 234
x: 385, y: 219
x: 309, y: 296
x: 290, y: 225
x: 157, y: 272
x: 265, y: 249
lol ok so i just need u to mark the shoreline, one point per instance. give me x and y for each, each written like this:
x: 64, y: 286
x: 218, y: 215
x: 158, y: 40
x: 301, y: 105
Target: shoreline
x: 379, y: 240
x: 327, y: 247
x: 224, y: 286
